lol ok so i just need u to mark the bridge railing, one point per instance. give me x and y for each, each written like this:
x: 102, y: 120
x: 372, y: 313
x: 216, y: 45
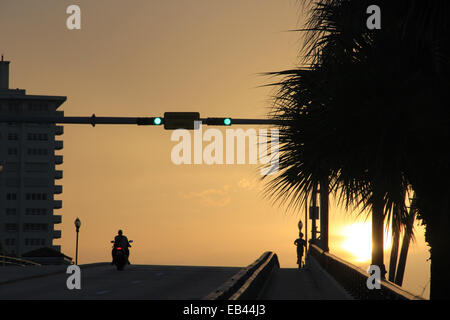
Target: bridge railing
x: 11, y: 261
x: 354, y: 279
x: 249, y: 282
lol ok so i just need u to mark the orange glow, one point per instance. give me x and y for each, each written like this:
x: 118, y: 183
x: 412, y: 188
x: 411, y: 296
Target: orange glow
x: 358, y: 241
x: 164, y: 56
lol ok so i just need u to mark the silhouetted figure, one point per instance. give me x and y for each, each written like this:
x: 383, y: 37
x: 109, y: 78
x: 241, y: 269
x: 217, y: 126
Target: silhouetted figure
x: 121, y: 241
x: 300, y: 243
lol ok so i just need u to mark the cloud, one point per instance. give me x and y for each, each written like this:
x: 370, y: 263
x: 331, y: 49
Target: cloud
x: 246, y: 184
x: 211, y: 197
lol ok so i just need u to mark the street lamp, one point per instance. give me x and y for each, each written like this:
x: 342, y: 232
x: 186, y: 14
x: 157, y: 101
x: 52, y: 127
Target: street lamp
x: 1, y: 247
x: 77, y: 226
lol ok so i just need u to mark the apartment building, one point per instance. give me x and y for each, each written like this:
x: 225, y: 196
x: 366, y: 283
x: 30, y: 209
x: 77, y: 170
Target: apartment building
x: 28, y: 170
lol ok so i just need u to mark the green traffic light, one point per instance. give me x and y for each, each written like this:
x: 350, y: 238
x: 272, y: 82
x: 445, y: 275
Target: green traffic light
x: 157, y: 121
x: 227, y: 121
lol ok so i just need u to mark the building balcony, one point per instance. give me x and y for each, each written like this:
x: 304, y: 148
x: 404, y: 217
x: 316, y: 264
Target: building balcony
x: 59, y: 145
x: 57, y: 219
x: 58, y: 159
x: 57, y: 204
x: 59, y: 130
x: 57, y: 234
x: 58, y: 174
x: 57, y: 189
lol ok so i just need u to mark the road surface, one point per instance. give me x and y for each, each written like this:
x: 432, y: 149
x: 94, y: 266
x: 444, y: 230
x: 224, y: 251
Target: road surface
x: 137, y: 282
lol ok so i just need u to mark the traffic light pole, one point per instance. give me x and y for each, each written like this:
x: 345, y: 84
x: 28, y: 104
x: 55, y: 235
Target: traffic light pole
x: 140, y: 121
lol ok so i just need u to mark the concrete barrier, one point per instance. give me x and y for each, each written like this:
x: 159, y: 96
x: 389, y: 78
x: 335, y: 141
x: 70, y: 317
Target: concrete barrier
x: 12, y: 274
x: 354, y: 279
x: 248, y: 282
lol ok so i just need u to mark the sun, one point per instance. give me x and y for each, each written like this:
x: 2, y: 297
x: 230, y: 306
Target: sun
x: 358, y: 241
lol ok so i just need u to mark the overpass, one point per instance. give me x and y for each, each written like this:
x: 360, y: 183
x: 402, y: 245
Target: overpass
x: 324, y: 277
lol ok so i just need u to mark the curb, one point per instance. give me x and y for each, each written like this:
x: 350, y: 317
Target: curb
x: 82, y: 266
x: 248, y: 282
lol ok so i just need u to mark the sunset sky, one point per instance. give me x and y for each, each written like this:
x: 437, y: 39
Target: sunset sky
x: 144, y: 58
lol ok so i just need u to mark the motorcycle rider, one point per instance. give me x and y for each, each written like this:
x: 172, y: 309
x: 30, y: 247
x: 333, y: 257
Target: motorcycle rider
x: 121, y: 241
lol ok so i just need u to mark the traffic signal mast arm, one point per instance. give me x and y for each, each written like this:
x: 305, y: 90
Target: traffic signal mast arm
x: 143, y: 121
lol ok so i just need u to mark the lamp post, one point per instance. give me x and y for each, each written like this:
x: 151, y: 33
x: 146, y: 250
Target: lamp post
x: 1, y: 247
x: 77, y: 226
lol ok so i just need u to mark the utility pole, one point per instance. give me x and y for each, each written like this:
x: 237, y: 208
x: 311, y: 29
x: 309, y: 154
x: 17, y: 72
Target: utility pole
x: 306, y: 223
x: 324, y: 214
x: 313, y: 212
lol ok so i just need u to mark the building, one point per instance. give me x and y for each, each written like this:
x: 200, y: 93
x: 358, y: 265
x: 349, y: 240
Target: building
x: 28, y: 170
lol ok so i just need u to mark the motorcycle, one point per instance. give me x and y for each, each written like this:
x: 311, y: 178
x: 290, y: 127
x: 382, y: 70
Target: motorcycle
x: 120, y: 256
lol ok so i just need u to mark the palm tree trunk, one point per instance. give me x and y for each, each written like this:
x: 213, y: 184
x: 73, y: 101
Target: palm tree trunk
x: 378, y: 235
x: 405, y: 247
x: 394, y: 252
x: 440, y: 258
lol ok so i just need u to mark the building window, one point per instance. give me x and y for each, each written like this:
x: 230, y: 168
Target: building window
x: 11, y: 196
x: 12, y: 151
x: 38, y: 107
x: 37, y: 152
x: 36, y: 211
x: 10, y: 227
x: 36, y: 167
x: 36, y: 196
x: 37, y: 136
x: 11, y: 211
x: 35, y: 242
x: 10, y: 242
x: 15, y: 107
x: 13, y: 136
x: 35, y: 227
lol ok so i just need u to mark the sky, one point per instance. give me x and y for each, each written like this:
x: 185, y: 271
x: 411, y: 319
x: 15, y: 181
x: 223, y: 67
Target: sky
x: 144, y: 58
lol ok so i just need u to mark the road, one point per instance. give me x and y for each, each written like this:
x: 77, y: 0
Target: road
x: 137, y: 282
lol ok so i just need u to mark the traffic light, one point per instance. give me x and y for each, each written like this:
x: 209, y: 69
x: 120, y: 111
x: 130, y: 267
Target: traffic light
x: 157, y: 121
x: 218, y: 121
x: 152, y: 121
x: 180, y: 120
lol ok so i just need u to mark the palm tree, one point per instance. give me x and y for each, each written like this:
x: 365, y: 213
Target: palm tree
x: 354, y: 115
